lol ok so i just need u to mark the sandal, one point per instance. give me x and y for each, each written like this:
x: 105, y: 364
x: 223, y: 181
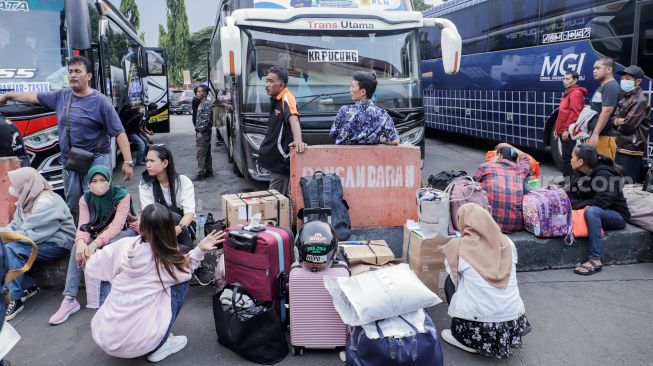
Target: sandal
x: 592, y: 269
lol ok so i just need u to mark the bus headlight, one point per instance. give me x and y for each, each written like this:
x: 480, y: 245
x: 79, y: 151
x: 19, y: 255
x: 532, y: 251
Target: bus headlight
x: 42, y: 139
x: 255, y: 139
x: 412, y: 137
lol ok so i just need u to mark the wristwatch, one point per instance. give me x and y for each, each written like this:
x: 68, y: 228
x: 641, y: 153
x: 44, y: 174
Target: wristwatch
x: 129, y: 162
x: 182, y: 227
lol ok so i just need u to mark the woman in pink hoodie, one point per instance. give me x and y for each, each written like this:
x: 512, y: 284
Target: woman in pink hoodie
x: 149, y: 282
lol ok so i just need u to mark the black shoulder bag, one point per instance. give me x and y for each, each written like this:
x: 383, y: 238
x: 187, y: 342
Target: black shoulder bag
x: 78, y: 160
x: 187, y: 237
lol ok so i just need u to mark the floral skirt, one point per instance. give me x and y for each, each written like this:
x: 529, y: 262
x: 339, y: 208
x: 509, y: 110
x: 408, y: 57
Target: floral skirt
x: 490, y: 339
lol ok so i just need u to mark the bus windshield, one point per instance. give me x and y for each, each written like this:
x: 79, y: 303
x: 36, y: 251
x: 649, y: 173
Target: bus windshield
x: 320, y: 68
x: 32, y: 45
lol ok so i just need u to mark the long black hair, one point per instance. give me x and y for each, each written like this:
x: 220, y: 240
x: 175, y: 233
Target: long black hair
x: 592, y: 158
x: 157, y: 229
x: 164, y: 153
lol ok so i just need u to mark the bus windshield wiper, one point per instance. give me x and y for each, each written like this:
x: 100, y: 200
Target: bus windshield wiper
x: 393, y: 113
x: 316, y: 96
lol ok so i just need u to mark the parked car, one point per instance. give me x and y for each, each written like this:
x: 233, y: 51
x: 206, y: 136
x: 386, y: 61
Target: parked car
x: 180, y: 101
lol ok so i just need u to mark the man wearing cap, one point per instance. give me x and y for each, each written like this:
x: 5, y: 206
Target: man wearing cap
x: 632, y: 119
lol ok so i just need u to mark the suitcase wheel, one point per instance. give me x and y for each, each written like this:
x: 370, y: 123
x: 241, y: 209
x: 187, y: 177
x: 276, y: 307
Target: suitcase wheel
x: 297, y: 351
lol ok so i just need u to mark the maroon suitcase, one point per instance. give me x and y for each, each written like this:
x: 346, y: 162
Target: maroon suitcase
x: 260, y: 261
x: 314, y: 321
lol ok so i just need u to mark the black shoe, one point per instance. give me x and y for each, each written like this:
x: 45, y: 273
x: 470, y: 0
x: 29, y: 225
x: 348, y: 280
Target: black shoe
x: 13, y: 308
x: 29, y: 293
x: 209, y: 173
x: 199, y: 177
x: 203, y: 276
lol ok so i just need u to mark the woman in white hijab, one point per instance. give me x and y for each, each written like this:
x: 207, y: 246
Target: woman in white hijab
x: 486, y: 309
x: 42, y: 216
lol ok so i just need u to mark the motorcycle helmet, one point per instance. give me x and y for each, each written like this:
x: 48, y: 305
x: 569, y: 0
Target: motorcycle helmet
x: 316, y: 245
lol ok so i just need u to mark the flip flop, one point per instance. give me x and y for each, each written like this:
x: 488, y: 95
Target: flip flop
x: 592, y: 269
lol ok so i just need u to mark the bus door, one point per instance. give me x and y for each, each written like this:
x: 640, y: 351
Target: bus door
x: 155, y: 87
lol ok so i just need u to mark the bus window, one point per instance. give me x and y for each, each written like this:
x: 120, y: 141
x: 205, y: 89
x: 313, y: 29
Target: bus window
x: 429, y: 43
x: 612, y: 31
x: 513, y: 24
x: 472, y: 24
x: 645, y: 58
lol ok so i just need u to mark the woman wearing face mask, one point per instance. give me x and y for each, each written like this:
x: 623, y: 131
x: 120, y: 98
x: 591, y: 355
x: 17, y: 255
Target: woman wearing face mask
x: 597, y: 184
x: 162, y: 184
x: 42, y: 216
x: 149, y: 281
x: 105, y: 216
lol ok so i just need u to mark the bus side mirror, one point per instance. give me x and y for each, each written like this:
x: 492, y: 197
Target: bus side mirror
x: 230, y: 48
x: 450, y: 43
x: 78, y: 23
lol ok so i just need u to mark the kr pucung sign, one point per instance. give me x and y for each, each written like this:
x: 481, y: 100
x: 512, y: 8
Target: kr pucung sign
x: 379, y: 182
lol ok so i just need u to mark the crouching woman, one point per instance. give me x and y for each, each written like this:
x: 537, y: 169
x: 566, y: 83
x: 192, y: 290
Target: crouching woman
x: 486, y: 308
x: 149, y: 282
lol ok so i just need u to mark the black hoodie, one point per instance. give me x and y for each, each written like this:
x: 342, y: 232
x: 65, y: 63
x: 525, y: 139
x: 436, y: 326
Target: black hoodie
x: 602, y: 188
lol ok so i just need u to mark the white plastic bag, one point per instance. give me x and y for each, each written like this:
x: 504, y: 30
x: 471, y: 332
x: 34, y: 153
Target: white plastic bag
x: 377, y: 295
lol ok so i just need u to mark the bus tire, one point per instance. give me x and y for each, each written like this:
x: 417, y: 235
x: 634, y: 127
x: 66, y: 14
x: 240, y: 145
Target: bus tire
x: 237, y: 171
x: 556, y: 150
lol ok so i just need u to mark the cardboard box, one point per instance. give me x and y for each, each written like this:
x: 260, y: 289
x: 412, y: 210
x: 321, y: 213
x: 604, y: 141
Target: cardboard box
x: 272, y: 205
x: 374, y: 252
x: 426, y: 258
x: 416, y: 246
x: 361, y: 267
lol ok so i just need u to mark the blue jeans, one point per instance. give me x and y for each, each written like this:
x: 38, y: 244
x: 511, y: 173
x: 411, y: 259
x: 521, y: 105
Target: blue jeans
x: 137, y: 140
x: 17, y: 255
x: 74, y: 274
x: 596, y: 219
x: 74, y: 184
x: 178, y: 294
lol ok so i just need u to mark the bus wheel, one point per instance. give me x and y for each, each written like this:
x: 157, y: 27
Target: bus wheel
x: 556, y: 150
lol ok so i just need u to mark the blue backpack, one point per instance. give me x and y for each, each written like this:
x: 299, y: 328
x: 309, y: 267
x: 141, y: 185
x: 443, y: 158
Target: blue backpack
x: 5, y: 274
x: 325, y: 191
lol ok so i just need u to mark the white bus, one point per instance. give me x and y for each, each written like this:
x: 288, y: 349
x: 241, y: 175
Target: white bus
x: 321, y: 43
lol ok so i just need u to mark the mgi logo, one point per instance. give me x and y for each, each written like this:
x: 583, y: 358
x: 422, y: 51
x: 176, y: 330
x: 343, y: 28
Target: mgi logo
x: 554, y: 70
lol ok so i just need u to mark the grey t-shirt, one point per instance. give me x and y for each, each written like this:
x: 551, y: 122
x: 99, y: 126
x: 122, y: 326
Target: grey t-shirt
x: 93, y: 120
x: 607, y: 95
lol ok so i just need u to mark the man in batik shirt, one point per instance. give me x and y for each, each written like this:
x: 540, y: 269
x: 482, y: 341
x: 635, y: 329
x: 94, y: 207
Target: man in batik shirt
x: 363, y: 123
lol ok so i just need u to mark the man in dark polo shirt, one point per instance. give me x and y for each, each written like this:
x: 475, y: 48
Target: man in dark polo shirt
x: 604, y: 102
x: 284, y: 132
x: 93, y: 121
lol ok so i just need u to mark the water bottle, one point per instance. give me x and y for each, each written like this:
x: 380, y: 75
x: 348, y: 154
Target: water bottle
x: 201, y: 221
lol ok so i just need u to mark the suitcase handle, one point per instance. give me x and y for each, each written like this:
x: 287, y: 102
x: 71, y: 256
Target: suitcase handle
x: 305, y: 212
x: 243, y: 240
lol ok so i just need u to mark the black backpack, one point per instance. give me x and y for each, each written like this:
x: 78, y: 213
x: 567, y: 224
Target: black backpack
x: 5, y: 274
x: 441, y: 180
x: 325, y: 191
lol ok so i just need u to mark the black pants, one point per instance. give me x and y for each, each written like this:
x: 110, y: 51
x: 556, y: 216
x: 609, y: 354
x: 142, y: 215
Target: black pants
x: 449, y: 289
x: 567, y: 148
x: 632, y: 166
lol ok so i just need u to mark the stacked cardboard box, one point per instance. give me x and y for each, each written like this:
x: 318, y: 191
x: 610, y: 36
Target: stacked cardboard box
x: 426, y: 258
x: 375, y: 252
x: 241, y: 207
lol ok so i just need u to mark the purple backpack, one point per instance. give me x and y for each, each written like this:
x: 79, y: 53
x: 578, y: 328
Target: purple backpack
x: 464, y: 190
x: 547, y: 213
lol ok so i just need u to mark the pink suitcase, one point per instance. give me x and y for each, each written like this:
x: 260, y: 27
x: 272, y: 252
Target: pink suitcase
x: 314, y: 322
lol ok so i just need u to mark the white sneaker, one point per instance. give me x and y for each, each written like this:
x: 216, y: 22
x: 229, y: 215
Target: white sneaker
x: 449, y: 338
x: 173, y: 344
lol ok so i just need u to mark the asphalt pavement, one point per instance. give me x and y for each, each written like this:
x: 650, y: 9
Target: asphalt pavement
x: 603, y: 319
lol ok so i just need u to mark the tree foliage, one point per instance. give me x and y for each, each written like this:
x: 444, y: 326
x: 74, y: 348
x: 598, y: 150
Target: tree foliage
x: 176, y: 40
x: 129, y: 9
x: 199, y: 44
x: 163, y: 36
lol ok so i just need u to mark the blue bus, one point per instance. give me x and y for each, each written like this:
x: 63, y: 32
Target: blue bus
x: 515, y: 53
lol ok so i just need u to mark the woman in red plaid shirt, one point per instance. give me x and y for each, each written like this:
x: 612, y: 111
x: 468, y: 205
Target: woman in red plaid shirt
x: 503, y: 180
